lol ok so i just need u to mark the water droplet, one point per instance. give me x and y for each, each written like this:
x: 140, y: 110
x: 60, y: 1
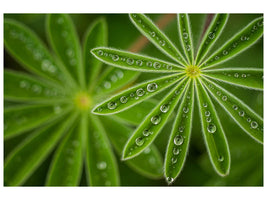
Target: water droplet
x: 208, y: 119
x: 112, y: 105
x: 132, y: 94
x: 147, y: 132
x: 24, y: 84
x: 152, y: 33
x: 100, y: 53
x: 254, y: 124
x: 169, y: 180
x: 174, y: 160
x: 178, y: 140
x: 139, y: 62
x: 151, y: 87
x: 162, y: 42
x: 212, y: 128
x: 164, y: 108
x: 101, y: 165
x: 224, y: 98
x: 205, y: 105
x: 188, y: 47
x: 169, y: 67
x: 207, y: 113
x: 248, y: 120
x: 244, y: 75
x: 235, y: 107
x: 236, y: 75
x: 155, y: 119
x: 175, y: 151
x: 149, y: 64
x: 113, y: 78
x: 70, y: 52
x: 123, y: 99
x: 139, y: 141
x: 243, y: 38
x: 140, y: 92
x: 225, y: 52
x: 260, y: 23
x: 130, y: 61
x: 156, y: 65
x: 181, y: 129
x: 119, y: 73
x: 147, y: 150
x: 185, y: 35
x: 221, y: 158
x: 185, y: 109
x: 211, y: 35
x: 115, y: 58
x: 57, y: 109
x: 107, y: 84
x: 217, y: 57
x: 241, y: 113
x: 99, y: 109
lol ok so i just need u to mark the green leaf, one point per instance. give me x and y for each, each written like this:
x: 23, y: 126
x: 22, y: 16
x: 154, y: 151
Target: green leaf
x: 238, y: 43
x: 102, y: 168
x: 24, y: 160
x: 66, y: 166
x: 24, y: 87
x: 180, y: 136
x: 213, y: 133
x: 245, y: 77
x: 136, y: 94
x: 96, y: 35
x: 65, y: 42
x: 21, y: 118
x: 136, y: 114
x: 212, y: 34
x: 157, y: 37
x: 153, y: 123
x: 132, y: 61
x: 29, y: 50
x: 186, y: 36
x: 114, y: 79
x: 149, y: 163
x: 244, y: 116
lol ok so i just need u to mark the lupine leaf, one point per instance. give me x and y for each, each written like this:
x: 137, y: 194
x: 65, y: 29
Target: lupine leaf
x: 186, y: 36
x: 149, y: 163
x: 179, y: 139
x: 213, y: 133
x: 157, y: 37
x: 19, y: 119
x: 238, y: 43
x: 22, y: 162
x: 101, y: 163
x: 95, y: 36
x: 245, y: 77
x: 66, y: 166
x: 244, y: 116
x: 65, y: 42
x: 30, y: 51
x: 136, y: 94
x: 153, y: 123
x: 212, y: 34
x: 23, y: 87
x: 114, y: 79
x: 136, y: 114
x: 132, y: 61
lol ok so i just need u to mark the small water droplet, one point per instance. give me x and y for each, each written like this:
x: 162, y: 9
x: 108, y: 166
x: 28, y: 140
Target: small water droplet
x: 140, y: 92
x: 188, y: 48
x: 152, y: 33
x: 151, y: 87
x: 243, y: 38
x: 130, y: 61
x: 211, y: 128
x: 147, y: 132
x: 205, y: 105
x: 139, y: 62
x: 100, y: 53
x: 244, y: 75
x: 119, y: 73
x: 139, y: 141
x: 241, y: 113
x: 225, y: 52
x: 132, y: 95
x: 149, y: 64
x: 107, y: 84
x: 156, y: 65
x: 123, y: 99
x: 181, y: 129
x: 113, y: 78
x: 221, y: 158
x: 175, y: 151
x: 248, y: 120
x: 211, y: 35
x: 236, y: 75
x: 235, y: 107
x: 75, y: 143
x: 174, y: 160
x: 115, y: 58
x: 224, y: 98
x: 208, y: 119
x: 260, y: 23
x: 155, y: 119
x: 169, y: 67
x: 147, y: 150
x: 185, y: 109
x: 24, y: 84
x: 254, y: 124
x: 207, y: 113
x: 169, y: 180
x: 164, y: 108
x: 101, y: 165
x: 162, y: 42
x: 178, y: 140
x: 57, y: 109
x: 112, y: 105
x: 185, y: 35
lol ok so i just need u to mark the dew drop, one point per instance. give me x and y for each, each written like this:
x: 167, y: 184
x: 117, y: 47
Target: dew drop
x: 208, y: 119
x: 169, y: 180
x: 241, y: 113
x: 244, y: 75
x: 224, y: 98
x: 164, y: 108
x: 243, y: 38
x: 178, y: 140
x: 181, y: 129
x: 149, y: 64
x: 70, y: 52
x: 147, y: 132
x: 211, y: 35
x: 147, y: 150
x: 123, y: 99
x: 101, y: 165
x: 24, y: 84
x: 107, y: 84
x: 115, y: 58
x: 139, y: 62
x: 57, y: 109
x: 130, y: 61
x: 175, y: 151
x: 221, y: 158
x: 99, y: 109
x: 236, y: 75
x: 132, y: 94
x: 235, y: 107
x: 139, y: 141
x: 112, y: 105
x: 100, y: 53
x: 152, y: 33
x: 217, y: 57
x: 151, y: 87
x: 140, y: 92
x: 185, y: 109
x: 169, y: 67
x: 155, y: 119
x: 211, y: 128
x: 225, y: 52
x: 119, y: 73
x: 205, y: 105
x: 156, y: 65
x: 260, y: 23
x: 174, y: 160
x: 162, y: 42
x: 254, y: 124
x: 185, y: 35
x: 248, y: 120
x: 113, y: 78
x: 207, y: 113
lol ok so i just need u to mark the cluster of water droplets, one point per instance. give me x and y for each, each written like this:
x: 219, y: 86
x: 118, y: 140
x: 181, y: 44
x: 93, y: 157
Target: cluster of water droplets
x: 236, y: 75
x: 113, y: 78
x: 185, y: 35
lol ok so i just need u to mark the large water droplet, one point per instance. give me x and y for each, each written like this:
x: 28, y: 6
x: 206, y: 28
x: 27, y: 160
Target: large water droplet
x: 254, y: 125
x: 156, y: 65
x: 101, y: 165
x: 123, y: 99
x: 211, y: 128
x: 178, y: 140
x: 130, y: 61
x: 140, y: 92
x: 112, y: 105
x: 164, y: 108
x: 155, y: 119
x: 151, y: 87
x: 139, y: 141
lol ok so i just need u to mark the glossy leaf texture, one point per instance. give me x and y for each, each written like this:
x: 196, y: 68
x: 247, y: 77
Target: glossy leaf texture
x: 211, y: 35
x: 178, y: 144
x: 149, y: 163
x: 136, y: 94
x: 244, y: 116
x: 23, y: 87
x: 101, y: 164
x: 186, y: 36
x: 65, y: 42
x: 96, y: 35
x: 238, y: 43
x: 25, y: 46
x: 66, y: 166
x: 244, y: 77
x: 21, y: 118
x: 157, y: 37
x: 132, y: 61
x: 147, y: 131
x: 213, y: 132
x: 26, y: 157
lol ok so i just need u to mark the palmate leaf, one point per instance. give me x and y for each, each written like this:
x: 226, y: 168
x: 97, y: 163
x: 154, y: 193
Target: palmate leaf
x: 26, y: 157
x: 179, y: 139
x: 149, y: 163
x: 244, y: 77
x: 213, y: 133
x: 157, y: 37
x: 244, y: 116
x: 102, y: 169
x: 238, y: 43
x: 136, y: 94
x: 132, y: 61
x: 154, y: 122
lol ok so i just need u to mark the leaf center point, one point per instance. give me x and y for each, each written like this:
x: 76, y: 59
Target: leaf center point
x: 192, y: 71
